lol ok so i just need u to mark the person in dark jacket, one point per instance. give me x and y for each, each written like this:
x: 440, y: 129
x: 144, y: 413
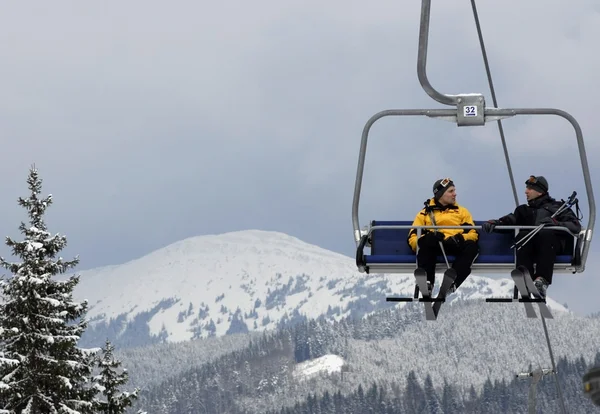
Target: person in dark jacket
x: 542, y: 248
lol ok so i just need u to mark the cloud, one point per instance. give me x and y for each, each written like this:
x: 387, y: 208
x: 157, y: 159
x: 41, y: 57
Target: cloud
x: 151, y: 122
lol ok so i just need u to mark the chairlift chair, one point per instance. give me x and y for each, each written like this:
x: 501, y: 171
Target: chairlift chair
x: 389, y: 252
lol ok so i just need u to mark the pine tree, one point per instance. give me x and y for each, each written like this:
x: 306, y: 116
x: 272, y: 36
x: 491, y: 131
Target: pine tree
x: 431, y: 398
x: 414, y: 396
x: 41, y: 368
x: 109, y: 381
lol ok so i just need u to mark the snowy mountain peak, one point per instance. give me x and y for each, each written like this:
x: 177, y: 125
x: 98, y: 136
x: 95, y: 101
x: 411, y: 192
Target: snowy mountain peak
x: 238, y: 282
x: 247, y: 239
x: 245, y: 244
x: 209, y: 277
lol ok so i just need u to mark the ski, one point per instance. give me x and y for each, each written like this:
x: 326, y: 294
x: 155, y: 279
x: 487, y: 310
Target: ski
x: 518, y: 278
x: 405, y: 299
x: 544, y: 310
x: 421, y: 277
x: 449, y: 278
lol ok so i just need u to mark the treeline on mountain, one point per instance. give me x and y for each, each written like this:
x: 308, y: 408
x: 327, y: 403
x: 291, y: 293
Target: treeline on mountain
x: 496, y: 396
x: 263, y: 377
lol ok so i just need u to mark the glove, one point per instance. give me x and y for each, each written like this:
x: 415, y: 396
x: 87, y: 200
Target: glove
x: 549, y: 221
x: 431, y: 239
x: 489, y: 225
x: 455, y: 241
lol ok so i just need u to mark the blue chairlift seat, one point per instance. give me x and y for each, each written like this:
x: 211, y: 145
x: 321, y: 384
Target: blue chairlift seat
x: 390, y: 252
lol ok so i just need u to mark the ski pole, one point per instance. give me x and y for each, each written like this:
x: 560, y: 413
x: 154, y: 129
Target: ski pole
x: 441, y: 245
x: 444, y: 253
x: 566, y: 204
x: 529, y: 236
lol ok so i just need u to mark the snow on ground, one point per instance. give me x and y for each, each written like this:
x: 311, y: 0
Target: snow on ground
x: 327, y: 363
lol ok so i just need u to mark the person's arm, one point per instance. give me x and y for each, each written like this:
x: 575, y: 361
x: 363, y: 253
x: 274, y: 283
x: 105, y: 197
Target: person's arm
x: 569, y: 220
x: 509, y: 220
x: 467, y: 220
x: 412, y: 234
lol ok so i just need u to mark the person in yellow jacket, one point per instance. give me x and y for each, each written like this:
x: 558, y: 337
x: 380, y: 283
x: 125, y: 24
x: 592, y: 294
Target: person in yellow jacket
x: 461, y: 243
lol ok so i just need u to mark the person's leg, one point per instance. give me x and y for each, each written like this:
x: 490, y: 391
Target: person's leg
x: 545, y: 245
x: 525, y: 256
x: 465, y: 256
x: 426, y: 259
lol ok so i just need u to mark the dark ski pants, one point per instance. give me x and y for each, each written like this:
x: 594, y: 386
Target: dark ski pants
x: 542, y: 250
x: 465, y: 255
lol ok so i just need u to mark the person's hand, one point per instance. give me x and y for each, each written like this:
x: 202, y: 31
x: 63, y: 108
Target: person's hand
x: 549, y: 221
x: 430, y: 239
x: 489, y: 225
x: 455, y: 241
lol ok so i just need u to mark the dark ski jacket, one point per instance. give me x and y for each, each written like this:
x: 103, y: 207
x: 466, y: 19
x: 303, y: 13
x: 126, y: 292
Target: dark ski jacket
x: 532, y: 213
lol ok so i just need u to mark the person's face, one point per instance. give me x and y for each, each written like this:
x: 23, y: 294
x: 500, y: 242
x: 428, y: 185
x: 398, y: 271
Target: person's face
x: 530, y: 193
x: 449, y: 197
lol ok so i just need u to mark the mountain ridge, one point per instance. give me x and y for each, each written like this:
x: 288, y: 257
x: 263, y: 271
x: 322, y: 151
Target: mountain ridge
x: 239, y: 281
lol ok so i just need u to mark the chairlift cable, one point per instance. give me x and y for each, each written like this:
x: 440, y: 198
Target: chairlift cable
x: 491, y: 84
x: 558, y: 390
x: 493, y: 92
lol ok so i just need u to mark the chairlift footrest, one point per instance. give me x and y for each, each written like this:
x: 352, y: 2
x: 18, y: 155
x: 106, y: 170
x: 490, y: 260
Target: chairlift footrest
x: 398, y: 299
x: 518, y: 277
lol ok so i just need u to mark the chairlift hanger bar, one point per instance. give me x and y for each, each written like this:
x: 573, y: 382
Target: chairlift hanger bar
x: 422, y: 59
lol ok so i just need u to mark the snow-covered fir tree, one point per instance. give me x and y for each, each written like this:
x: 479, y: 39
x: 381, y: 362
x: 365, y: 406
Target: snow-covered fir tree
x: 108, y: 382
x: 41, y: 368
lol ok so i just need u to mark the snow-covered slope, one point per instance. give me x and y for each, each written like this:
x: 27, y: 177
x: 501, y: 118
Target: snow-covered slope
x: 326, y: 364
x: 246, y: 280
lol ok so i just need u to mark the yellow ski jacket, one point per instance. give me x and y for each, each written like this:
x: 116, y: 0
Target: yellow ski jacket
x: 451, y: 215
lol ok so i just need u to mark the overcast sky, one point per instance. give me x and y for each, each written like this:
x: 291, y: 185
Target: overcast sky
x: 155, y: 121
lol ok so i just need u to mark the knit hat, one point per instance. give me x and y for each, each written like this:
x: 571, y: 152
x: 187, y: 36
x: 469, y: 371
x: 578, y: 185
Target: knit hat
x: 539, y: 184
x: 440, y: 187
